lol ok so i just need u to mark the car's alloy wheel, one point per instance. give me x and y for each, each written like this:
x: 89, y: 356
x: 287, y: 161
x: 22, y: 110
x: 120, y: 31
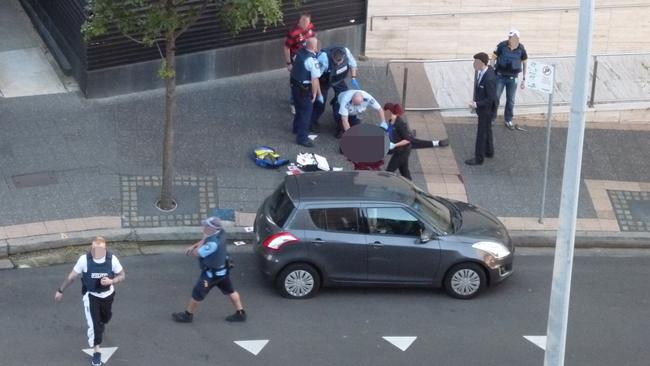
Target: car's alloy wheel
x: 298, y: 281
x: 465, y: 280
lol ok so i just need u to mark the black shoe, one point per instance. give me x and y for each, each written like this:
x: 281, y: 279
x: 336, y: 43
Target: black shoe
x: 306, y: 143
x: 239, y: 316
x: 183, y: 317
x: 97, y: 359
x: 314, y: 127
x: 473, y: 162
x: 443, y: 142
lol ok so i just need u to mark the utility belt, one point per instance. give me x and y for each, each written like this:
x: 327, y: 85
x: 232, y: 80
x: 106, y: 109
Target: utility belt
x: 302, y: 86
x: 507, y: 76
x: 212, y: 272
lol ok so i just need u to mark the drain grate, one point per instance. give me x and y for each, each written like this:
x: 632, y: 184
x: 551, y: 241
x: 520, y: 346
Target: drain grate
x: 34, y: 180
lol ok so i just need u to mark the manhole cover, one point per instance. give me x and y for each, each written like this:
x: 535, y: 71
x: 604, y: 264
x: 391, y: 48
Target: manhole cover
x: 34, y: 180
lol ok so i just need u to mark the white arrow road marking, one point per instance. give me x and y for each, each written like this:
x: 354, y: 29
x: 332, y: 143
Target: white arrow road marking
x: 539, y: 341
x: 253, y: 347
x: 402, y: 343
x: 107, y: 352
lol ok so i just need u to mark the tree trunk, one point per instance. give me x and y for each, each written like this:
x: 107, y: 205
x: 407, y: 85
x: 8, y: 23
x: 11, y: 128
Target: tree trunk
x: 166, y: 195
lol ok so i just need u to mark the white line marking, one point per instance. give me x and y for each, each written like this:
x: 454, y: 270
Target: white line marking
x: 402, y: 343
x: 253, y: 347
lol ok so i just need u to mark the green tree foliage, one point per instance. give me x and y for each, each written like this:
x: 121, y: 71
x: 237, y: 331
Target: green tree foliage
x: 155, y: 22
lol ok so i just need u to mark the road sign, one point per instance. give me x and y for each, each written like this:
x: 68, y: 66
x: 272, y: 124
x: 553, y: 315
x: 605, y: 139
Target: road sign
x: 539, y: 76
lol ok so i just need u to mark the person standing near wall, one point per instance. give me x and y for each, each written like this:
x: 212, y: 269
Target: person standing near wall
x: 509, y: 60
x: 296, y: 39
x: 99, y: 271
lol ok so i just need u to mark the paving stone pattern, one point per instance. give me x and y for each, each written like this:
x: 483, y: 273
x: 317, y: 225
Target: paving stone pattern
x: 632, y: 210
x: 195, y: 196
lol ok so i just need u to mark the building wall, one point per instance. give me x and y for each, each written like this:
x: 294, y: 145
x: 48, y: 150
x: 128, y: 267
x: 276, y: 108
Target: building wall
x: 460, y: 28
x: 113, y: 64
x: 207, y: 65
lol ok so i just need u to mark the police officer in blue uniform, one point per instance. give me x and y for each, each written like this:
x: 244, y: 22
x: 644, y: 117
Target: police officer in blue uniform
x: 99, y: 271
x: 215, y: 272
x: 336, y: 64
x: 305, y: 89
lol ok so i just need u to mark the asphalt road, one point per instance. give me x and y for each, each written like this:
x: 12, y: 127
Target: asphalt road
x: 608, y: 322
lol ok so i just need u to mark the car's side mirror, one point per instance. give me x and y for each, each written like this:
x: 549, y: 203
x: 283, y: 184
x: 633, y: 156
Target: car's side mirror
x: 425, y: 236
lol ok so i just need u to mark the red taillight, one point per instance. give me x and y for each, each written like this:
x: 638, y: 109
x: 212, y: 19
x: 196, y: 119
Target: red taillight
x: 276, y: 241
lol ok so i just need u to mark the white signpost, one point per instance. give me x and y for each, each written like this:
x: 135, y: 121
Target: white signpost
x: 541, y: 77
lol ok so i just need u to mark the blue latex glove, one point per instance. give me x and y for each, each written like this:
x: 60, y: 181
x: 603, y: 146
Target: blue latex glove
x: 384, y: 125
x: 391, y: 146
x: 355, y: 84
x: 320, y: 99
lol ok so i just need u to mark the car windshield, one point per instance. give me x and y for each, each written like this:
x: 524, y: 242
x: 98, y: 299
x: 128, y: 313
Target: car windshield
x: 439, y: 214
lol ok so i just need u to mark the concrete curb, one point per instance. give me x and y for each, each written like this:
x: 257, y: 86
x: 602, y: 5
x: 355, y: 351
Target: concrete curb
x: 186, y: 234
x: 166, y: 235
x: 583, y: 240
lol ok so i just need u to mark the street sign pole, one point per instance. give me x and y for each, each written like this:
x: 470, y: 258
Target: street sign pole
x: 549, y: 113
x: 558, y: 312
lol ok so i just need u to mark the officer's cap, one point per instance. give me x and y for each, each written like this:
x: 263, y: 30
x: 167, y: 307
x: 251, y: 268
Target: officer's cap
x: 212, y: 222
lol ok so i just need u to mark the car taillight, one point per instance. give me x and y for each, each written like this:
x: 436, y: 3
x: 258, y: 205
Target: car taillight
x: 276, y: 241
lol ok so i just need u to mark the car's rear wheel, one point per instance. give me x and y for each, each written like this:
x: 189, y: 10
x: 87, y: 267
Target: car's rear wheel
x: 465, y: 280
x: 298, y: 281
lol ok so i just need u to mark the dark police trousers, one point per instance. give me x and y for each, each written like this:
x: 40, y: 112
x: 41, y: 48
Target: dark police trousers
x: 302, y: 96
x: 319, y: 108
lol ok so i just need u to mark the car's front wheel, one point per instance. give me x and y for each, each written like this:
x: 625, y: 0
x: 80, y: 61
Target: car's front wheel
x: 465, y: 280
x: 298, y: 281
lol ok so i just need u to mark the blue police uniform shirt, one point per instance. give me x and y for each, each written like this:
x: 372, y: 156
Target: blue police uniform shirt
x: 347, y: 108
x: 209, y: 247
x: 325, y: 63
x: 312, y: 65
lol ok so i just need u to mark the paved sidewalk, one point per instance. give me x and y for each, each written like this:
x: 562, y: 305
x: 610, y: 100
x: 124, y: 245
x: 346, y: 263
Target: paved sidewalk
x: 74, y: 167
x: 26, y: 67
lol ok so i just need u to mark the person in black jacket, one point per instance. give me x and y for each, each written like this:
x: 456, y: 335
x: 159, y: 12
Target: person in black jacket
x: 400, y: 144
x: 485, y: 105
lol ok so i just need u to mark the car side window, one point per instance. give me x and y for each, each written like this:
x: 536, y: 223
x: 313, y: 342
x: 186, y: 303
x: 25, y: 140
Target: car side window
x: 393, y: 221
x: 336, y: 219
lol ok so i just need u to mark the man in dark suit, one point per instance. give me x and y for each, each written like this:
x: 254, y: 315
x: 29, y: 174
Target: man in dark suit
x: 485, y: 104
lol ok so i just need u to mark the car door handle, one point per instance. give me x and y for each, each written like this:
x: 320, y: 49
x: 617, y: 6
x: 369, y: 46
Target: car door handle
x: 318, y: 241
x: 377, y: 244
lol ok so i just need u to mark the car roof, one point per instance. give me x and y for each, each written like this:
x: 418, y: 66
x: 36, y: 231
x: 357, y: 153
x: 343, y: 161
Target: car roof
x: 363, y: 186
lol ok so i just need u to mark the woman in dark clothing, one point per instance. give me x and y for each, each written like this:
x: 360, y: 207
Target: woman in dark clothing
x: 400, y: 144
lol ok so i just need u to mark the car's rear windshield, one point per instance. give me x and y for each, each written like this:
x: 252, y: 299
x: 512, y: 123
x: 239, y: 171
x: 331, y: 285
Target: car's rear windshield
x: 439, y: 214
x: 280, y: 206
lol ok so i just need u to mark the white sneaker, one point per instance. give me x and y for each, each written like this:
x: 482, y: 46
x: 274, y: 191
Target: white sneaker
x: 510, y: 125
x: 293, y: 109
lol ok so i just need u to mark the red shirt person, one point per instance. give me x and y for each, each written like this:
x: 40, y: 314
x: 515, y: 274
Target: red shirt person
x: 296, y: 38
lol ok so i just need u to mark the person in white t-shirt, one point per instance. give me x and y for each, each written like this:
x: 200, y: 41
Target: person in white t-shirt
x: 99, y: 271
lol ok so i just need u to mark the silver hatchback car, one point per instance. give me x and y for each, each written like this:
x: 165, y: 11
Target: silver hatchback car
x: 366, y: 228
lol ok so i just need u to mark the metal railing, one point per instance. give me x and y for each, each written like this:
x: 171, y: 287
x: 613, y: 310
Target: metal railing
x: 500, y: 11
x: 591, y: 101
